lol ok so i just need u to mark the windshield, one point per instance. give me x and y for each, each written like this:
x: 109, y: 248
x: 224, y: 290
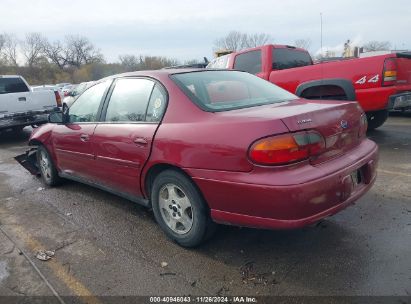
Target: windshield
x: 215, y: 91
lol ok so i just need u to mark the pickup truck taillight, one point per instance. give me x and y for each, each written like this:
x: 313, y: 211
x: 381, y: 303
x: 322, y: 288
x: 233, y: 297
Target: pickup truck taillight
x: 287, y: 148
x: 58, y: 98
x: 389, y: 74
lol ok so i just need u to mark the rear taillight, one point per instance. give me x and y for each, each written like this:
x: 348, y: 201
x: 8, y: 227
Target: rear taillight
x: 363, y: 126
x: 389, y: 74
x: 58, y: 98
x: 287, y: 148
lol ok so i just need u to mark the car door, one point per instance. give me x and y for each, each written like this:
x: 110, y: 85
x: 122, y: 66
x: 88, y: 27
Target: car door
x: 122, y: 142
x: 72, y: 140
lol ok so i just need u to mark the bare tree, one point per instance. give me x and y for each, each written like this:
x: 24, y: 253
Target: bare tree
x: 303, y: 43
x: 75, y: 51
x: 2, y: 43
x: 82, y: 51
x: 233, y: 41
x: 10, y: 46
x: 129, y: 62
x: 156, y: 62
x: 254, y: 40
x: 32, y: 48
x: 236, y: 41
x: 377, y: 46
x: 56, y: 53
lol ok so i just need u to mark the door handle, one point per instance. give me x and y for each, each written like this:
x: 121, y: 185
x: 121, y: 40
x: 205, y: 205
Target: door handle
x: 22, y: 99
x: 84, y: 137
x: 141, y: 141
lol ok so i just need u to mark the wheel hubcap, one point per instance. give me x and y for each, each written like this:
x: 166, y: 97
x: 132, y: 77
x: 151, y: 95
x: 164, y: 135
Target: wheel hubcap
x: 175, y: 209
x: 45, y: 165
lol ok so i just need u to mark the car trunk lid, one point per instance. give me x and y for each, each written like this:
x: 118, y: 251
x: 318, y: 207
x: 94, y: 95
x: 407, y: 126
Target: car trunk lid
x: 337, y: 121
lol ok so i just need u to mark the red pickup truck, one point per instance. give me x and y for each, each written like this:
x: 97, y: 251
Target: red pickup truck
x: 378, y: 83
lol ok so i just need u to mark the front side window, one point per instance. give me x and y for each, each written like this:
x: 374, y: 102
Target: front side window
x: 215, y: 91
x: 85, y: 108
x: 284, y: 58
x: 129, y: 100
x: 248, y: 62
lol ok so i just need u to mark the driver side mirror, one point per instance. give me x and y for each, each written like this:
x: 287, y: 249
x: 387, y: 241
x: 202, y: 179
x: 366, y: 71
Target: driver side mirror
x: 59, y: 117
x: 56, y: 117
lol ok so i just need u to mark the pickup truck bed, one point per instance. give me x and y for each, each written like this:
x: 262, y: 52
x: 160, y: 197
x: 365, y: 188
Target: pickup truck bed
x: 20, y: 106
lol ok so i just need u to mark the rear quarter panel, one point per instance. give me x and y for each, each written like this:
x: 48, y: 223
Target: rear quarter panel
x: 189, y: 137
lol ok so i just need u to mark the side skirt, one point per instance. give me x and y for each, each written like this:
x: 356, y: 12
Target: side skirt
x: 136, y: 199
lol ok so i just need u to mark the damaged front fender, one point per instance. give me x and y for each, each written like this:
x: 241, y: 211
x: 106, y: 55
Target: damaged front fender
x: 29, y: 161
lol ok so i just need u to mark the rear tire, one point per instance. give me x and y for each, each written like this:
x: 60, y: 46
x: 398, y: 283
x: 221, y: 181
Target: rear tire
x: 376, y: 119
x: 180, y: 210
x: 47, y: 168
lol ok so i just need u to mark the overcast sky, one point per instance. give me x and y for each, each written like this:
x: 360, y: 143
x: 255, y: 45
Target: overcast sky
x: 186, y: 30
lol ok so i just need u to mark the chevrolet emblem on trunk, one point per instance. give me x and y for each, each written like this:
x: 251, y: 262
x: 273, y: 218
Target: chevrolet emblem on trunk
x: 303, y: 121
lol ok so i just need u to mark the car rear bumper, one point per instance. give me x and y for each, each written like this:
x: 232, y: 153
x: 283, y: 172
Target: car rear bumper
x: 23, y: 119
x: 400, y: 101
x: 274, y: 204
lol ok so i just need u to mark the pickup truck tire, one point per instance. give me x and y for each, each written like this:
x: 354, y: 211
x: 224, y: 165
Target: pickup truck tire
x: 47, y: 168
x: 180, y: 209
x: 17, y: 129
x: 376, y: 119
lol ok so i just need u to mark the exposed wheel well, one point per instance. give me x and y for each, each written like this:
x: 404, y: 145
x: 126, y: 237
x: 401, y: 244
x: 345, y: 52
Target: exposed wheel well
x: 325, y: 92
x: 35, y: 142
x: 155, y: 170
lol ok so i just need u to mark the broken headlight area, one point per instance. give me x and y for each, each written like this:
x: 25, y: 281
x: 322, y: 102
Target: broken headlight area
x: 29, y: 161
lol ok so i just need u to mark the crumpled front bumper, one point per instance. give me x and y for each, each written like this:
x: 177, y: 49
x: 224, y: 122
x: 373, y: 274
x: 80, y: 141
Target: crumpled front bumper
x: 29, y: 161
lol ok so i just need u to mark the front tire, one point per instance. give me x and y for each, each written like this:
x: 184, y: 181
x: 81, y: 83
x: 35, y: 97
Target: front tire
x: 376, y: 119
x: 48, y: 171
x: 179, y: 209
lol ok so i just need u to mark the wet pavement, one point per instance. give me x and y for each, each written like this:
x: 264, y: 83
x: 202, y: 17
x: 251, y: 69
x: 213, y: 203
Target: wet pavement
x: 105, y: 245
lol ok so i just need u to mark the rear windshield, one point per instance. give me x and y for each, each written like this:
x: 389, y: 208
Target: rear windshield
x: 215, y: 91
x: 12, y: 85
x: 289, y: 58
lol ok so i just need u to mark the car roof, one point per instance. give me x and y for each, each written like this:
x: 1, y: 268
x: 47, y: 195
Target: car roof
x: 159, y: 72
x: 163, y: 72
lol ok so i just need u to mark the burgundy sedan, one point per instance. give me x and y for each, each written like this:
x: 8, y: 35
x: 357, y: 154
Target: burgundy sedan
x: 206, y: 146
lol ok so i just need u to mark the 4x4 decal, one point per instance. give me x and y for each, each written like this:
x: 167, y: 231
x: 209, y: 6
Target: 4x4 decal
x: 363, y: 79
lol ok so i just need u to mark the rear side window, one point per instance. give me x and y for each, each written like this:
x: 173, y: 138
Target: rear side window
x: 12, y: 85
x: 157, y: 105
x: 248, y: 62
x: 290, y: 58
x: 129, y: 100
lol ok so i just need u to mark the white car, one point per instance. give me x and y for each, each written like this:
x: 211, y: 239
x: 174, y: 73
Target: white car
x: 20, y: 106
x: 75, y: 92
